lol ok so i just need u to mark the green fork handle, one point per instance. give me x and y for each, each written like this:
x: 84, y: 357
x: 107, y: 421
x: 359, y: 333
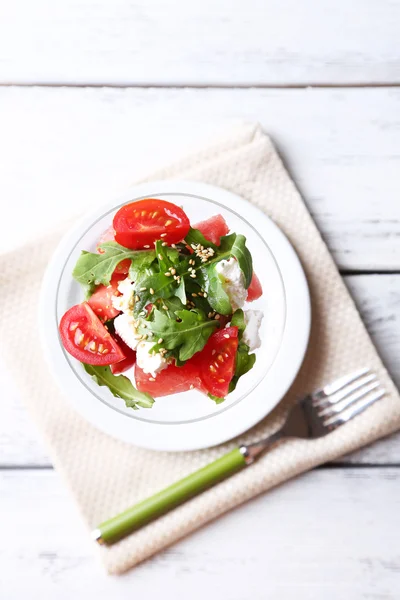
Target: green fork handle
x: 146, y: 511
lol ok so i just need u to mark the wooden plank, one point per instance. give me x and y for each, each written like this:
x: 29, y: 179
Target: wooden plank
x: 62, y: 150
x: 378, y: 298
x: 333, y: 530
x: 209, y: 43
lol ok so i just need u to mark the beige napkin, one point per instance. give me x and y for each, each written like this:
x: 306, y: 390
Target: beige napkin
x: 106, y: 476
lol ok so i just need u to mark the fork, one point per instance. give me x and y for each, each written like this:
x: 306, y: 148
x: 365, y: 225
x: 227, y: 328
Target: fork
x: 314, y: 416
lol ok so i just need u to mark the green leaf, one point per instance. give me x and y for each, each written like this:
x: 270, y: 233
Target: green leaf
x: 217, y: 296
x: 153, y: 284
x: 166, y: 257
x: 239, y: 322
x: 216, y: 399
x: 192, y: 287
x: 93, y: 269
x: 156, y: 285
x: 196, y: 237
x: 235, y: 244
x: 120, y: 386
x: 244, y: 363
x: 189, y: 334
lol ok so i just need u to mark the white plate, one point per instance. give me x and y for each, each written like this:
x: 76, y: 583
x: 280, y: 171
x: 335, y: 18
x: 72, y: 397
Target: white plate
x: 188, y: 421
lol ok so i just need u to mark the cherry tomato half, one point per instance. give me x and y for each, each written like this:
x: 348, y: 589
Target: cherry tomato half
x: 141, y: 223
x: 86, y: 338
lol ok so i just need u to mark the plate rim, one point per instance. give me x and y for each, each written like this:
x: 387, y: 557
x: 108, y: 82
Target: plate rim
x: 226, y: 425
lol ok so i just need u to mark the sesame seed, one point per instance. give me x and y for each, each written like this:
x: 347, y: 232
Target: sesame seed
x: 226, y: 335
x: 142, y: 289
x: 163, y: 235
x: 173, y: 271
x: 212, y: 369
x: 164, y: 244
x: 191, y: 386
x: 151, y: 379
x: 173, y: 246
x: 137, y: 298
x: 151, y: 291
x: 160, y: 256
x: 167, y: 274
x: 221, y: 380
x: 217, y: 317
x: 160, y: 341
x: 165, y: 307
x: 194, y: 295
x: 205, y: 294
x: 210, y: 315
x: 192, y: 274
x: 169, y: 222
x: 146, y: 246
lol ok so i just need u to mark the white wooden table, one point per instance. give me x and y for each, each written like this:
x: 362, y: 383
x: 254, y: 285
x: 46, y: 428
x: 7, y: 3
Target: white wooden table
x: 92, y: 94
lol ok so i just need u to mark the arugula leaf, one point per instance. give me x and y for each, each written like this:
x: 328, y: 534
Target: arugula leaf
x: 153, y: 282
x: 244, y: 363
x: 207, y: 276
x: 196, y: 237
x: 158, y: 283
x: 239, y: 322
x: 193, y: 286
x: 235, y: 244
x: 166, y: 257
x: 217, y: 296
x: 216, y: 399
x: 120, y: 386
x: 93, y: 269
x: 189, y: 334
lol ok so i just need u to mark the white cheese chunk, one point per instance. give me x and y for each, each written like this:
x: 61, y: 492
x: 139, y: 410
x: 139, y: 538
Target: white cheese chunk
x: 125, y: 327
x: 150, y: 363
x: 251, y: 334
x: 124, y: 302
x: 232, y: 281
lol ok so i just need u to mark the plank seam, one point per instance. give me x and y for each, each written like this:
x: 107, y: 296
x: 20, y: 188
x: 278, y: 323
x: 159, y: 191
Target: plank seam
x: 219, y: 86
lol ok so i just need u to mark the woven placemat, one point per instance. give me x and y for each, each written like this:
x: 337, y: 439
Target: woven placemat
x: 106, y: 476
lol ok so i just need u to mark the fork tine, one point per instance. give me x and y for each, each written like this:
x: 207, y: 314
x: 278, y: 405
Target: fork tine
x: 350, y: 413
x: 338, y: 407
x: 338, y: 384
x: 345, y: 391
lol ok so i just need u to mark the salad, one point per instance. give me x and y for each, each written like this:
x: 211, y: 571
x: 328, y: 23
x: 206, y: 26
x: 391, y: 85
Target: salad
x: 163, y: 309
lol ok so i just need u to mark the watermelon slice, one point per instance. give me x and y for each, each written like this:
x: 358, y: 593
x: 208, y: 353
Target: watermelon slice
x: 213, y: 228
x: 255, y: 289
x: 171, y: 380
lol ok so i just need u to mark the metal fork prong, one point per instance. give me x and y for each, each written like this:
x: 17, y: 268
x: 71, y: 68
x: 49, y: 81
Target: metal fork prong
x: 337, y: 408
x: 350, y: 413
x: 338, y: 384
x: 346, y: 391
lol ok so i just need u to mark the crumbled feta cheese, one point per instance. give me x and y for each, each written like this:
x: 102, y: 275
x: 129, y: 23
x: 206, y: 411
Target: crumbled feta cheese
x: 150, y: 363
x: 232, y: 281
x: 125, y: 327
x: 124, y: 302
x: 251, y: 335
